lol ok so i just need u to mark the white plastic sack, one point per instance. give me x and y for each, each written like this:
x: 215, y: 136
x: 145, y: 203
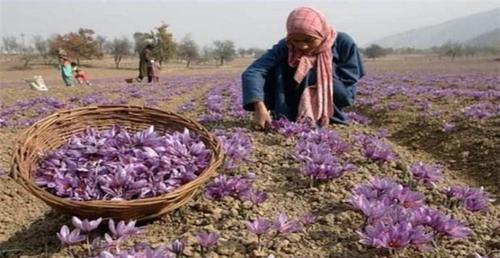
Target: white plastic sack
x: 37, y: 83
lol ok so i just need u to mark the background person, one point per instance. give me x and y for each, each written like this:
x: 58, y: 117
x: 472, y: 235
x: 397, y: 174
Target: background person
x: 145, y: 63
x: 80, y: 75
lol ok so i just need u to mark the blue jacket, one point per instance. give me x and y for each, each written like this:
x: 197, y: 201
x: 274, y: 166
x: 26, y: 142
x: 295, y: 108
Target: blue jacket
x: 270, y: 79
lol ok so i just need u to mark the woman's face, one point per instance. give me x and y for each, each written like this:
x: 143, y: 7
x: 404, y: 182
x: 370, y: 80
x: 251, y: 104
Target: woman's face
x: 304, y: 42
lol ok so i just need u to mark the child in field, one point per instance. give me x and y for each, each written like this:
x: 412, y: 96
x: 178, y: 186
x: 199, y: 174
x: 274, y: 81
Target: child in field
x: 309, y: 76
x: 80, y: 75
x: 156, y: 71
x: 66, y: 70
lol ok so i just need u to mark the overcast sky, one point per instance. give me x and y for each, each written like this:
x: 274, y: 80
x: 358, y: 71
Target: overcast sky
x: 256, y: 23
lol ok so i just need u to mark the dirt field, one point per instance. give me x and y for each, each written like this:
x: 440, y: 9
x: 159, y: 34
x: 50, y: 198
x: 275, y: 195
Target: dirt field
x: 469, y: 156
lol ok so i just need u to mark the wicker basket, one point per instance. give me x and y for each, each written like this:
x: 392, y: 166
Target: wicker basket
x: 52, y: 131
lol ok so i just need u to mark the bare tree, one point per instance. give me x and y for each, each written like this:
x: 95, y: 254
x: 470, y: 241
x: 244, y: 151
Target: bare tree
x: 119, y: 48
x: 224, y: 51
x: 188, y: 50
x: 101, y: 41
x: 10, y: 44
x: 242, y: 52
x: 27, y: 56
x: 41, y: 46
x: 451, y: 49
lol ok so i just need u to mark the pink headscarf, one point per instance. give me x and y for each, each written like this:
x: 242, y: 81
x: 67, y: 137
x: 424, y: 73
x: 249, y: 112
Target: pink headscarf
x: 316, y: 103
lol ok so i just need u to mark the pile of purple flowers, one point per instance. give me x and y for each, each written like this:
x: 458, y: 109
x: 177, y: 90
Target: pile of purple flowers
x: 397, y: 217
x: 315, y: 151
x: 237, y: 147
x: 473, y: 199
x: 115, y: 164
x: 426, y: 174
x: 374, y: 148
x: 239, y: 187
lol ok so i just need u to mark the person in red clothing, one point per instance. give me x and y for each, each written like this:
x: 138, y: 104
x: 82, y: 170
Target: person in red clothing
x: 80, y: 76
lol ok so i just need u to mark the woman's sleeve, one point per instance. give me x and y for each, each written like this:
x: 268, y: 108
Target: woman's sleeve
x: 348, y: 69
x: 254, y: 77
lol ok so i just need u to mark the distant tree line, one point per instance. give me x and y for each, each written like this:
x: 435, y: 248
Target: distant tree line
x: 84, y: 44
x: 449, y: 49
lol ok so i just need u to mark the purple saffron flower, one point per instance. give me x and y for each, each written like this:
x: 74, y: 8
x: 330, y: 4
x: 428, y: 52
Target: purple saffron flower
x: 427, y: 174
x: 176, y: 247
x: 454, y: 229
x: 70, y: 238
x: 476, y: 199
x: 258, y: 226
x: 410, y: 199
x: 448, y: 127
x: 395, y: 237
x: 255, y: 197
x: 86, y: 225
x: 285, y: 226
x: 207, y: 239
x: 123, y: 229
x: 307, y: 219
x: 454, y: 192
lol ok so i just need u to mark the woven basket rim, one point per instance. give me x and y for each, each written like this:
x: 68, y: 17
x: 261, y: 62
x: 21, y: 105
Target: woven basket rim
x: 215, y: 161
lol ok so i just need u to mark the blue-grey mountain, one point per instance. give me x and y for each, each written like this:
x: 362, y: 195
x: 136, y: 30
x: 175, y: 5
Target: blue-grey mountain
x: 484, y: 26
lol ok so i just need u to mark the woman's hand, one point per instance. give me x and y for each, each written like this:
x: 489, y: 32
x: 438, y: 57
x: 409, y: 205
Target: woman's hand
x: 261, y: 117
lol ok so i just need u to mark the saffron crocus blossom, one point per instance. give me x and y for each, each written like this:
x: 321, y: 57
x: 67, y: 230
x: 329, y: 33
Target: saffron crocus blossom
x: 288, y: 128
x: 258, y: 226
x: 448, y: 127
x: 307, y: 219
x: 284, y: 226
x: 452, y: 228
x: 358, y: 118
x: 255, y: 197
x: 328, y: 137
x: 237, y: 148
x: 176, y: 247
x: 394, y: 236
x: 68, y: 237
x: 427, y: 174
x: 235, y: 186
x: 86, y: 225
x: 207, y: 239
x: 122, y: 229
x: 375, y: 148
x: 474, y: 199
